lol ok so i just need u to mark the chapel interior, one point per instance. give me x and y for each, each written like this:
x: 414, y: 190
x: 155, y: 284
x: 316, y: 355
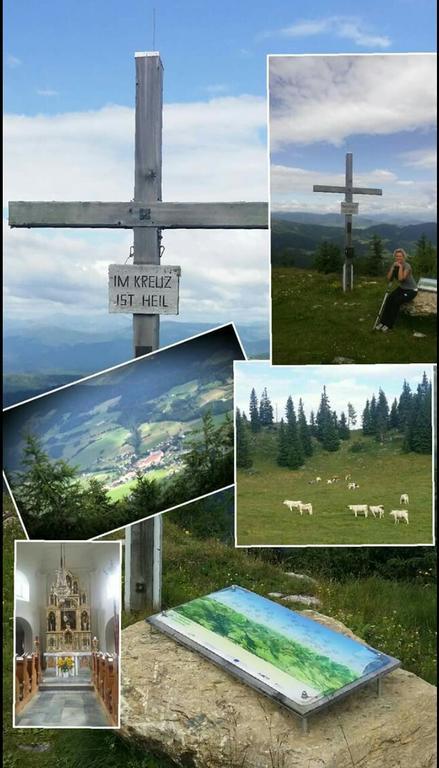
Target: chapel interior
x: 67, y: 629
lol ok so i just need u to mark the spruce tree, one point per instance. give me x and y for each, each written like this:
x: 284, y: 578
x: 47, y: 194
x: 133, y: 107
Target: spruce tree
x: 265, y: 409
x: 373, y: 416
x: 382, y: 416
x: 312, y: 424
x: 374, y: 260
x: 328, y: 258
x: 327, y: 427
x: 243, y: 457
x: 365, y: 419
x: 295, y: 450
x: 419, y: 431
x: 323, y: 415
x: 304, y: 431
x: 282, y: 446
x: 404, y: 406
x: 343, y: 427
x: 393, y: 417
x: 255, y: 421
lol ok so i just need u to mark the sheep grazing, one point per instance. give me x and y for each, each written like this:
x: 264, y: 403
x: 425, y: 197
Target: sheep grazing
x: 404, y: 498
x: 292, y: 504
x: 400, y: 514
x: 318, y: 479
x: 305, y: 508
x: 348, y: 477
x: 359, y: 509
x: 329, y: 482
x: 352, y: 486
x: 377, y: 510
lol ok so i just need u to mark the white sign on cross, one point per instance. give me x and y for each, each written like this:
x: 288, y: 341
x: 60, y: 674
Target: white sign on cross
x: 348, y: 207
x: 146, y: 215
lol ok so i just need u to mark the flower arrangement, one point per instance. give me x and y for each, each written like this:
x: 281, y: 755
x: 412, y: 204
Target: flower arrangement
x: 65, y: 663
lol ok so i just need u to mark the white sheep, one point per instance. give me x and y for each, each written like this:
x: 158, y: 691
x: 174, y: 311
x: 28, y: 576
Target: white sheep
x: 359, y: 509
x: 305, y: 508
x: 329, y: 482
x: 404, y: 498
x: 292, y: 504
x: 318, y: 479
x: 348, y: 477
x: 378, y: 509
x: 352, y: 486
x: 400, y: 514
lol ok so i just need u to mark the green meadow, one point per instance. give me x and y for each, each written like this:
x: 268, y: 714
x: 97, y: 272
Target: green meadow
x: 383, y: 473
x: 313, y: 321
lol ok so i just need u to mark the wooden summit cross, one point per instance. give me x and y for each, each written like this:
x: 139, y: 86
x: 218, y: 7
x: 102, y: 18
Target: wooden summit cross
x: 146, y: 215
x: 348, y: 207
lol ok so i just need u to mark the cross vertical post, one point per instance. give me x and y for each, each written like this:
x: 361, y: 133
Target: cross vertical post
x: 147, y: 182
x: 143, y: 541
x: 348, y: 267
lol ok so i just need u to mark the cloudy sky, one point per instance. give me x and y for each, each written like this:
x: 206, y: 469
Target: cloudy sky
x: 348, y: 383
x: 69, y: 128
x: 380, y: 107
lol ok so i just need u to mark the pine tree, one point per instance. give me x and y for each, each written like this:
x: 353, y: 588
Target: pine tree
x: 295, y: 450
x: 312, y: 424
x: 282, y: 446
x: 255, y: 421
x: 382, y: 416
x: 331, y: 440
x: 374, y: 260
x: 343, y: 427
x: 393, y: 417
x: 352, y: 415
x: 243, y: 457
x: 328, y: 258
x: 304, y: 431
x: 265, y: 410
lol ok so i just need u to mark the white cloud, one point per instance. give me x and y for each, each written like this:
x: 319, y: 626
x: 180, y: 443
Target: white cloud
x: 345, y: 27
x: 291, y: 190
x: 329, y: 98
x: 213, y: 151
x: 421, y: 158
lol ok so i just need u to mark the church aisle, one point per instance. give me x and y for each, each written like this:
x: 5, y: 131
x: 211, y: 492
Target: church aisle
x: 64, y: 708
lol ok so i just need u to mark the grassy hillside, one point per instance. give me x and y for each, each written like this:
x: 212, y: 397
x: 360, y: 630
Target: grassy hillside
x: 397, y: 618
x: 383, y: 472
x: 313, y: 321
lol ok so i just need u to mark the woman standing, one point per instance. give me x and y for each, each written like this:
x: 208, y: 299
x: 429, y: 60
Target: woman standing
x: 405, y: 292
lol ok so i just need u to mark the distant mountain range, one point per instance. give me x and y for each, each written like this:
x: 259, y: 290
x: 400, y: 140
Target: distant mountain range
x: 294, y: 242
x: 36, y: 359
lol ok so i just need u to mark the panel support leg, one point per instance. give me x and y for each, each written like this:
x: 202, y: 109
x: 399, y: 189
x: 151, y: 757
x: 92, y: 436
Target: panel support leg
x: 304, y: 725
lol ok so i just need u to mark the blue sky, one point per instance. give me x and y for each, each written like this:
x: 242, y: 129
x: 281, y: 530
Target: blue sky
x: 68, y: 100
x: 347, y: 383
x: 382, y: 108
x: 291, y: 624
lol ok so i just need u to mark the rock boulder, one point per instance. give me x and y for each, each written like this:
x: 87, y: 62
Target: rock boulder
x: 176, y: 703
x: 423, y: 305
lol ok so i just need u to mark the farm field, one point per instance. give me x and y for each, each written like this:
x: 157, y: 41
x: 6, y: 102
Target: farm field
x: 313, y: 321
x: 383, y: 472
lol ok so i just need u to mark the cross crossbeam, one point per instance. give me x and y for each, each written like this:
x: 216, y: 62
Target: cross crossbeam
x: 119, y: 215
x: 343, y: 190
